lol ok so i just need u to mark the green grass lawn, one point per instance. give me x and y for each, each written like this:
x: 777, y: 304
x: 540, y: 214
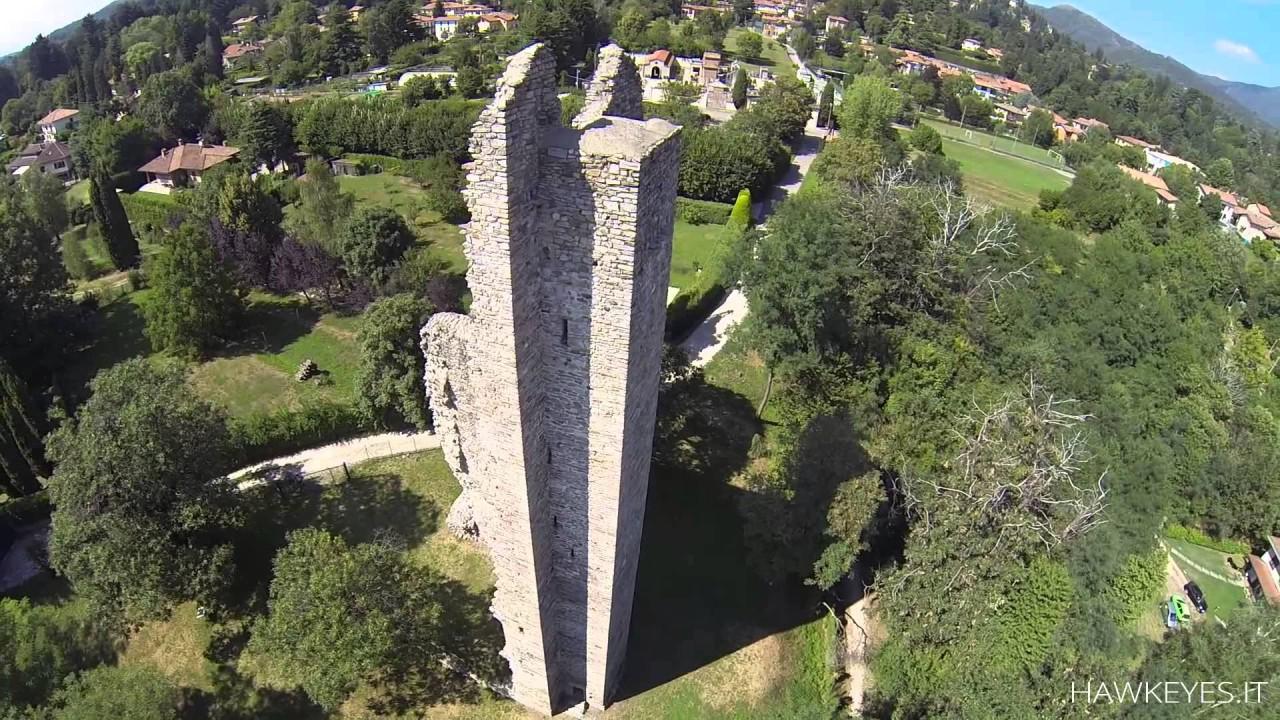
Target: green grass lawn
x: 1224, y: 599
x: 78, y: 193
x: 774, y: 54
x: 692, y: 248
x: 256, y: 374
x: 1000, y: 179
x: 997, y: 142
x: 407, y: 198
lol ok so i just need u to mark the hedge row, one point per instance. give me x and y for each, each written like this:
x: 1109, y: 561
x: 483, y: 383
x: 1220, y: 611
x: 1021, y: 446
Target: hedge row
x: 285, y: 431
x: 692, y: 306
x: 1196, y: 536
x: 148, y: 210
x: 702, y: 212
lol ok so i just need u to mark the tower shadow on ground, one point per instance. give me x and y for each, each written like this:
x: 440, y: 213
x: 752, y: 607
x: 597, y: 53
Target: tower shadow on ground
x: 697, y: 597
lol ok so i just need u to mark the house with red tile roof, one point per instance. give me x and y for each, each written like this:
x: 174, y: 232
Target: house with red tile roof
x: 51, y: 158
x: 185, y: 164
x: 58, y: 120
x: 1262, y: 574
x: 658, y: 65
x: 1167, y: 198
x: 1135, y: 142
x: 1255, y: 223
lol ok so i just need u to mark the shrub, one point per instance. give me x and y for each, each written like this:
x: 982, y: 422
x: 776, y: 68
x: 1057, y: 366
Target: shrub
x: 702, y: 212
x: 693, y: 304
x: 74, y: 258
x: 740, y: 218
x: 1195, y: 536
x: 262, y: 437
x: 148, y: 211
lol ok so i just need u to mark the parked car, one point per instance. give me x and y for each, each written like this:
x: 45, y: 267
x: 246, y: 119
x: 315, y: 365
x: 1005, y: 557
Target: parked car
x: 1170, y: 616
x: 1178, y: 607
x: 1196, y: 595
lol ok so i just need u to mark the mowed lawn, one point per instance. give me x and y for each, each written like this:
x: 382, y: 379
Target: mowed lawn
x: 996, y: 142
x: 1000, y: 179
x: 693, y: 247
x: 254, y: 374
x: 408, y: 198
x: 774, y: 55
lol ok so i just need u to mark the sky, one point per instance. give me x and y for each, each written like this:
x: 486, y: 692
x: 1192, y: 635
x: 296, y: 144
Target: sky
x: 24, y: 19
x: 1233, y: 39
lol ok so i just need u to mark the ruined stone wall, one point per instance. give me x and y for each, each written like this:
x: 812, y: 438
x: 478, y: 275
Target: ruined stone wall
x: 545, y: 395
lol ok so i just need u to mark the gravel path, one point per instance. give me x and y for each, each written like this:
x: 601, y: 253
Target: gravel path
x: 349, y: 451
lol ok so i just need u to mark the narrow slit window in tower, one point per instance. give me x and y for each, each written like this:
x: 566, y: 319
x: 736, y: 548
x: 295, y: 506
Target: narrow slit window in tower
x: 564, y: 331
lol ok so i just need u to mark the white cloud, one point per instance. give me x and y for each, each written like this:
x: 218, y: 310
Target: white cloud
x: 1236, y: 50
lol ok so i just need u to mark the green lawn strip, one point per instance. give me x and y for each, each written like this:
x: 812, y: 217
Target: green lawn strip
x: 774, y: 55
x: 1224, y: 598
x: 693, y: 247
x: 1001, y: 179
x: 989, y: 140
x: 737, y: 369
x: 78, y: 193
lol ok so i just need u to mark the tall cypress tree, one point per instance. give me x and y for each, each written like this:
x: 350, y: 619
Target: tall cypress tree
x: 22, y: 458
x: 122, y: 246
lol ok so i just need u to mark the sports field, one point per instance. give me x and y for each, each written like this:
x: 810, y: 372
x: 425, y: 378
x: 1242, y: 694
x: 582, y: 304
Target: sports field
x: 997, y: 142
x: 1000, y: 179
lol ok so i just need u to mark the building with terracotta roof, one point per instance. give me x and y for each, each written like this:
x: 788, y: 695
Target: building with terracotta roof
x: 51, y: 158
x: 1011, y: 115
x: 1087, y: 124
x: 185, y: 164
x: 1262, y: 574
x: 994, y: 87
x: 710, y: 72
x: 494, y: 20
x: 836, y: 21
x: 1167, y: 198
x: 1255, y: 223
x: 1135, y: 142
x: 658, y: 65
x: 1231, y: 208
x: 235, y: 52
x: 58, y: 120
x: 1157, y: 160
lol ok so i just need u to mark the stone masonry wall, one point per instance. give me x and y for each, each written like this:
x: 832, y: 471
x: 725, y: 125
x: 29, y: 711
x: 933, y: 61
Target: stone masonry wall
x: 545, y: 395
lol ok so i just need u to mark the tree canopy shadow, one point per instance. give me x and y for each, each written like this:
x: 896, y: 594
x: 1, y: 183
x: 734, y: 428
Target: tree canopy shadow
x: 271, y: 326
x: 365, y: 508
x: 697, y: 597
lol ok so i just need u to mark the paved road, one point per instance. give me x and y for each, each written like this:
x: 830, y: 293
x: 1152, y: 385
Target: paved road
x: 349, y: 451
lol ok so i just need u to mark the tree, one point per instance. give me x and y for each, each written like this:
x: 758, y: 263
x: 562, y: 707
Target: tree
x: 323, y: 209
x: 833, y: 43
x: 1211, y: 204
x: 172, y: 105
x: 716, y: 163
x: 389, y: 377
x: 46, y: 202
x: 743, y: 11
x: 22, y: 459
x: 304, y: 268
x: 373, y: 242
x: 870, y: 106
x: 1221, y: 173
x: 143, y: 60
x: 338, y: 615
x: 1037, y: 129
x: 848, y: 527
x: 421, y: 89
x: 267, y: 135
x: 802, y: 42
x: 43, y: 644
x: 141, y: 518
x: 826, y: 105
x: 739, y: 91
x: 925, y: 139
x: 975, y: 111
x: 340, y: 47
x: 113, y: 222
x: 35, y: 297
x: 126, y: 691
x: 194, y: 305
x: 570, y: 28
x: 246, y: 205
x: 750, y: 45
x: 388, y: 27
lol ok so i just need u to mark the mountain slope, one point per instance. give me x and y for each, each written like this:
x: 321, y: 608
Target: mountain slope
x: 1253, y: 101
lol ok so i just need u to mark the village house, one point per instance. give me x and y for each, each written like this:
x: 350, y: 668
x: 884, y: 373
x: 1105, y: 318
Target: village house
x: 236, y: 52
x: 971, y: 44
x: 1130, y: 141
x: 1230, y: 203
x: 994, y: 87
x: 710, y: 71
x: 445, y: 26
x: 693, y: 11
x: 496, y: 20
x: 774, y: 29
x: 441, y: 73
x: 1262, y: 574
x: 50, y: 158
x: 244, y: 23
x: 1256, y: 223
x: 836, y: 22
x: 996, y: 53
x: 183, y: 165
x: 1010, y: 115
x: 57, y: 121
x: 1157, y: 160
x: 355, y: 11
x: 1086, y: 124
x: 658, y: 65
x: 1167, y: 198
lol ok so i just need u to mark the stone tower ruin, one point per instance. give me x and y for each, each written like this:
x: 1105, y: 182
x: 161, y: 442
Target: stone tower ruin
x: 544, y: 396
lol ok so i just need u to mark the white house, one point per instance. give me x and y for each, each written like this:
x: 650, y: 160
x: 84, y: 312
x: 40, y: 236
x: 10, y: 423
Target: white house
x: 56, y: 122
x: 1157, y: 160
x: 52, y: 158
x: 971, y: 44
x: 658, y: 65
x: 836, y: 21
x: 1255, y: 223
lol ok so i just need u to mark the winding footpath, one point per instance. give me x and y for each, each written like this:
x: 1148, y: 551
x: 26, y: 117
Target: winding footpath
x: 370, y: 447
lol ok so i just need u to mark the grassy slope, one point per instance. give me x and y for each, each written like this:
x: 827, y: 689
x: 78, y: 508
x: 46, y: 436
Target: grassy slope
x: 774, y: 54
x: 692, y: 247
x: 1000, y: 179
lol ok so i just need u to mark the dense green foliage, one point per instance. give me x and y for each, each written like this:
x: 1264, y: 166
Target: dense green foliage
x: 194, y: 305
x: 40, y: 645
x: 702, y: 212
x: 373, y: 243
x: 384, y: 126
x: 389, y: 379
x: 141, y: 521
x: 112, y: 691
